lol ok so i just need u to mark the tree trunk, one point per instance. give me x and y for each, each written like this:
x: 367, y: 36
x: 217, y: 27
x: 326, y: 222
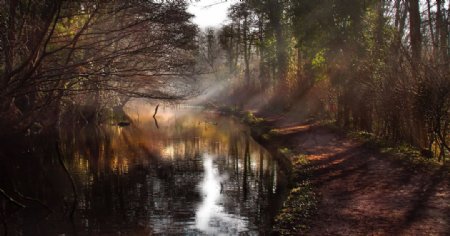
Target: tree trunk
x: 414, y: 26
x: 430, y: 25
x: 442, y: 31
x: 299, y: 66
x: 275, y: 17
x: 262, y: 69
x: 238, y: 41
x: 246, y: 51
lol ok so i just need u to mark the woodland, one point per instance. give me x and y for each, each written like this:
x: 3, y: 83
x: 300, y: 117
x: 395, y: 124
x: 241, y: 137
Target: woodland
x: 378, y: 69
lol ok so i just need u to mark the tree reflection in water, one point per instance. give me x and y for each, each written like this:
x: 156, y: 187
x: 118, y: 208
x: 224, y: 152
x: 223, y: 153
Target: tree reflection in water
x: 142, y: 180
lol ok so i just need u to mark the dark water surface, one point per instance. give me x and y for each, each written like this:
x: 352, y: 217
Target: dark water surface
x: 196, y: 173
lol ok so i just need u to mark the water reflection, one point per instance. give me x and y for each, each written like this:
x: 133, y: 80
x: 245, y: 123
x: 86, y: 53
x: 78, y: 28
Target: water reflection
x: 210, y: 189
x: 197, y: 173
x: 211, y: 217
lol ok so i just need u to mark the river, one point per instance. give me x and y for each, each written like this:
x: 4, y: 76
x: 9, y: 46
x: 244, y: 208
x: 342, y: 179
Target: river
x: 190, y: 171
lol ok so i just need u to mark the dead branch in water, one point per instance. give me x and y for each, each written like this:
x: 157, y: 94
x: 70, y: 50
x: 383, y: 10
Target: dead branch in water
x: 156, y: 110
x: 33, y: 200
x: 75, y: 200
x: 11, y: 199
x: 156, y: 122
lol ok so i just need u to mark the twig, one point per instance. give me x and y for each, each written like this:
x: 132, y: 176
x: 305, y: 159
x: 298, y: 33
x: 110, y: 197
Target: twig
x: 156, y: 122
x: 11, y: 199
x: 33, y: 200
x: 72, y: 182
x: 156, y: 110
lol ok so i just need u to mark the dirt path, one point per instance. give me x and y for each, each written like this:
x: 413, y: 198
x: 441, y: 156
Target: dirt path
x: 362, y: 192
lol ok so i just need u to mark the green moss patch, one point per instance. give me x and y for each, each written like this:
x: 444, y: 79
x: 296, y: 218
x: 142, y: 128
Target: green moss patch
x: 301, y: 203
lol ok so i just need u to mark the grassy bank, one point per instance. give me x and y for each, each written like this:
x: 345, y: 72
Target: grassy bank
x: 301, y: 203
x: 301, y: 200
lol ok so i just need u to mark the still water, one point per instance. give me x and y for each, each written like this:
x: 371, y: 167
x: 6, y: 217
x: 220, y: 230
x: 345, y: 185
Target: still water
x: 189, y: 172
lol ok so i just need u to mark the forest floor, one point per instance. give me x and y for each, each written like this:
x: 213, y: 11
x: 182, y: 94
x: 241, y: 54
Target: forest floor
x: 361, y: 191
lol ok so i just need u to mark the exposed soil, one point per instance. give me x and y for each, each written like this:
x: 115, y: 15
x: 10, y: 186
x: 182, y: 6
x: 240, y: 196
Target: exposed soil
x: 363, y: 192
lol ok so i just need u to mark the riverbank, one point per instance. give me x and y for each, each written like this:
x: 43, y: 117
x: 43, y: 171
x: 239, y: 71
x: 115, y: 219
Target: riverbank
x: 343, y: 186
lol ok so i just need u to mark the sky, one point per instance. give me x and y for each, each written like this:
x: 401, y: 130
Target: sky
x: 210, y: 13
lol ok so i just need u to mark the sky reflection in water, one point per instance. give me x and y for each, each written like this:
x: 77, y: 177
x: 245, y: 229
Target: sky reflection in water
x: 210, y: 216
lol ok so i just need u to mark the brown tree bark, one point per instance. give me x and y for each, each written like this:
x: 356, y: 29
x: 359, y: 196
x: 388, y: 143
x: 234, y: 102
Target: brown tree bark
x: 246, y: 49
x: 414, y: 27
x: 275, y: 17
x: 441, y: 31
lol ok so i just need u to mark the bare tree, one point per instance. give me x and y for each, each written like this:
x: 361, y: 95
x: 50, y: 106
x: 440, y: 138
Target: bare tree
x: 56, y: 49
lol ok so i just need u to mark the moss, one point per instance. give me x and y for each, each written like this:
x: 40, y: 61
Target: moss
x: 266, y: 136
x: 274, y: 132
x: 251, y: 119
x: 301, y: 203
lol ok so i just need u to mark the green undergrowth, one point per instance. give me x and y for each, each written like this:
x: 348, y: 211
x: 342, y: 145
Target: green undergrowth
x: 403, y: 152
x: 250, y: 118
x: 247, y: 117
x: 301, y: 203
